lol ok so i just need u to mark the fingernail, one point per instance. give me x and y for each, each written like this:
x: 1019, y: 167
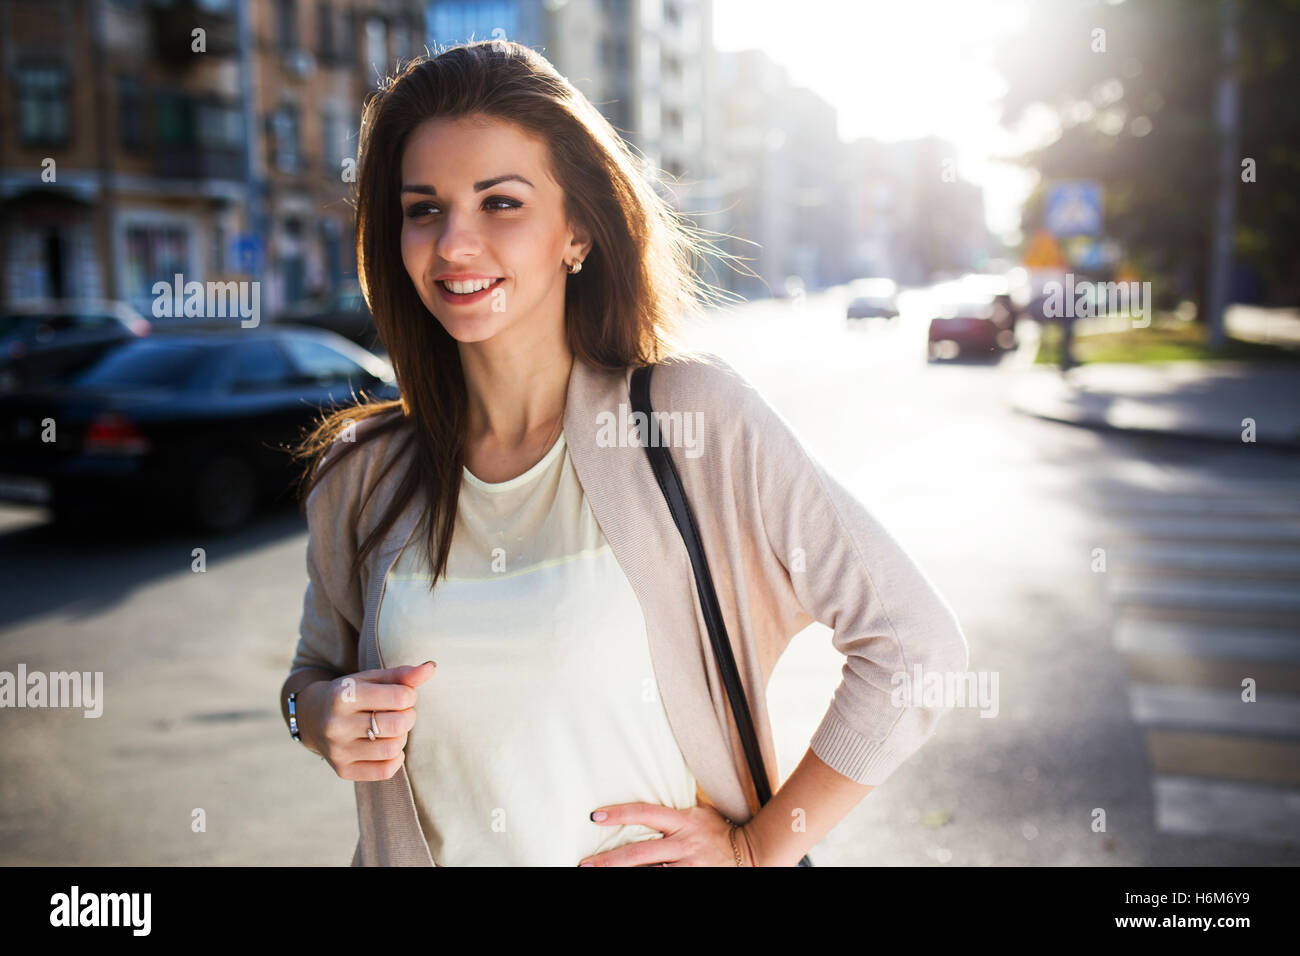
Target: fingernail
x: 598, y: 815
x: 586, y: 864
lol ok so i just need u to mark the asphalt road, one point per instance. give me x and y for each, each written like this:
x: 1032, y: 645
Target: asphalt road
x: 1104, y: 701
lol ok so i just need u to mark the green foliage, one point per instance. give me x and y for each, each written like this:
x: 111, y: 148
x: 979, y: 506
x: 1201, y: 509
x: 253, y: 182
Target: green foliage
x: 1140, y: 117
x: 1167, y: 340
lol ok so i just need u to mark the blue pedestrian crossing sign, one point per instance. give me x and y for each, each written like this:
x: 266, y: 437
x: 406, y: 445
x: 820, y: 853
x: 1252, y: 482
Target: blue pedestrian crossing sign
x: 246, y: 253
x: 1073, y: 209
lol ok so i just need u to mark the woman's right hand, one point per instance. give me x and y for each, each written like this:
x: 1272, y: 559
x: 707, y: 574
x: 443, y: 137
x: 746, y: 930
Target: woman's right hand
x: 335, y: 715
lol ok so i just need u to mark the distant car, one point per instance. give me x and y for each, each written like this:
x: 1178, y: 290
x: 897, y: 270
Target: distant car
x: 964, y: 327
x: 873, y: 307
x: 48, y: 340
x: 191, y: 422
x: 792, y: 288
x: 345, y: 313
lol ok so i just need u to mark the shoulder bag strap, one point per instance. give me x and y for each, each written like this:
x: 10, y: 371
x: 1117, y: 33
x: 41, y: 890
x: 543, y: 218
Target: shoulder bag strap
x: 671, y: 486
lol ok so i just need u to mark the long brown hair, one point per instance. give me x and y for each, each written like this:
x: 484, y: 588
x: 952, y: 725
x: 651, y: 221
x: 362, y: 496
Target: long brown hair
x: 624, y: 309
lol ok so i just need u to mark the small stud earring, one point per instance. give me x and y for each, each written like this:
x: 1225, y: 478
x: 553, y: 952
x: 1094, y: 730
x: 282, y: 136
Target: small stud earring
x: 576, y: 267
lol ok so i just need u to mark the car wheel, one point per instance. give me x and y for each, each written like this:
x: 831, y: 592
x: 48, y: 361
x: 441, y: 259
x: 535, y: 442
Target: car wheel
x: 225, y: 492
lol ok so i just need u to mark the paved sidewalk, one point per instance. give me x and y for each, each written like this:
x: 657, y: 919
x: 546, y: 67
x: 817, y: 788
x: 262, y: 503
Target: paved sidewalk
x: 1206, y: 400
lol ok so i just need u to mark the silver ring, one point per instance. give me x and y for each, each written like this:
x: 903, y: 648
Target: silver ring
x: 373, y: 732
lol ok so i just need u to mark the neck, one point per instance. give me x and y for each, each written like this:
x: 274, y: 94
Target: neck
x: 514, y: 394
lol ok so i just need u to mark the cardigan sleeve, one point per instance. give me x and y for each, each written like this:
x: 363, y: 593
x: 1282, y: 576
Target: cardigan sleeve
x: 849, y: 573
x: 332, y: 610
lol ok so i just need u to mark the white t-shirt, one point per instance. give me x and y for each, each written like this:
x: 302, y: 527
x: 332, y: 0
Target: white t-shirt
x: 544, y: 705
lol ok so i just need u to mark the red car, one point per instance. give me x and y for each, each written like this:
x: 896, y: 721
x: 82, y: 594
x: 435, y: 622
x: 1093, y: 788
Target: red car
x: 970, y: 327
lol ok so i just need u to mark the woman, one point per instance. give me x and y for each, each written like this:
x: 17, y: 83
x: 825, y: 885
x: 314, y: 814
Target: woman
x: 500, y: 640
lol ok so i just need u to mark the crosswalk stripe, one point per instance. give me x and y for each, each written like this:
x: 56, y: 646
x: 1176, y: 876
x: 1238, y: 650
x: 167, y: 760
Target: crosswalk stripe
x: 1201, y: 708
x: 1252, y: 531
x: 1204, y: 588
x: 1163, y: 504
x: 1204, y: 560
x: 1223, y: 673
x: 1198, y: 807
x: 1262, y: 502
x: 1217, y: 595
x: 1144, y: 636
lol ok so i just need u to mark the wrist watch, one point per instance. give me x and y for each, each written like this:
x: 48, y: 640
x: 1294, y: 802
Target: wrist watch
x: 293, y: 717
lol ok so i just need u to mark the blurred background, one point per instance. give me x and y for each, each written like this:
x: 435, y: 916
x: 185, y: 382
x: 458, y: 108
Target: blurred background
x: 1023, y: 275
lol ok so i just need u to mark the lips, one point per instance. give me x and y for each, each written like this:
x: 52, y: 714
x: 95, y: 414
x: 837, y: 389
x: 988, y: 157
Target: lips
x: 464, y: 298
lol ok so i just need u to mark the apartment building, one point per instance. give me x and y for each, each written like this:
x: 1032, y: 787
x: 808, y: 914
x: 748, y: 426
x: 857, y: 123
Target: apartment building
x: 216, y: 139
x: 140, y: 139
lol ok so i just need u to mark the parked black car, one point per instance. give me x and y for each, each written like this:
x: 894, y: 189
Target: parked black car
x: 48, y: 340
x: 194, y: 422
x: 344, y: 313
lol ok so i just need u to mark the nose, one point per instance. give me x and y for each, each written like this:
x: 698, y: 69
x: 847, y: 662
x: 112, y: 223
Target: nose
x: 459, y: 237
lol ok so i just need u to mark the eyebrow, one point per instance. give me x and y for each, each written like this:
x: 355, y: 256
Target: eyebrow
x: 478, y: 187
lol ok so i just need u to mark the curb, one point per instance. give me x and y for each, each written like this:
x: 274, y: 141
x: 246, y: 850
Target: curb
x: 1082, y: 421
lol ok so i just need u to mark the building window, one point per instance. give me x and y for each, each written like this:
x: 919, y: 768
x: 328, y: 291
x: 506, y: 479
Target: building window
x: 376, y: 47
x: 43, y: 106
x: 175, y: 120
x: 286, y: 26
x: 325, y: 24
x: 336, y: 147
x: 613, y: 53
x: 619, y: 115
x: 219, y: 125
x: 401, y: 41
x: 130, y: 112
x: 284, y: 134
x: 154, y: 253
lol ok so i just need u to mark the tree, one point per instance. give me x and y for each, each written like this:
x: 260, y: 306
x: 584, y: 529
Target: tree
x: 1132, y: 86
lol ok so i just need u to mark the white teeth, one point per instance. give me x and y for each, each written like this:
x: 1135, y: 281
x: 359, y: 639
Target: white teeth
x: 463, y: 288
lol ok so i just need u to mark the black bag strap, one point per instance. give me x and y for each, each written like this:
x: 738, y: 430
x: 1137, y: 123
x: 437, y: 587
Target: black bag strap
x: 671, y: 486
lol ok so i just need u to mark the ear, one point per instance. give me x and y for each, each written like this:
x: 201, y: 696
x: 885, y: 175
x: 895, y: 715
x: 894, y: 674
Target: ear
x: 579, y: 242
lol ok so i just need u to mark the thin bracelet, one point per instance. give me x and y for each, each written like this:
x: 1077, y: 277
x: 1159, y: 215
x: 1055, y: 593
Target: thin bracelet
x: 735, y: 849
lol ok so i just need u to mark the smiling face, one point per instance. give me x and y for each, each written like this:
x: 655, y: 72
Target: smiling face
x: 461, y: 220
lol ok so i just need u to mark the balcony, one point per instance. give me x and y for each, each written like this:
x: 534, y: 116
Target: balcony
x: 173, y: 27
x: 200, y: 162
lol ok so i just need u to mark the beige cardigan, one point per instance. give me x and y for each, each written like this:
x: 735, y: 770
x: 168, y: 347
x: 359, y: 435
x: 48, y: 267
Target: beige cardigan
x: 787, y: 544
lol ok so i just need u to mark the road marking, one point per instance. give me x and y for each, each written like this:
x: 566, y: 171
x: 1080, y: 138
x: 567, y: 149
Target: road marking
x: 1204, y: 589
x: 1221, y: 673
x: 1201, y: 708
x: 1218, y: 808
x: 1263, y: 505
x: 1213, y: 595
x: 1243, y: 530
x: 1193, y: 559
x: 1141, y: 636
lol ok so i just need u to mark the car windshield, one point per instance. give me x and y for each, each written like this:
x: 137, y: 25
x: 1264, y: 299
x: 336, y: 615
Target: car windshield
x: 149, y: 362
x: 969, y: 310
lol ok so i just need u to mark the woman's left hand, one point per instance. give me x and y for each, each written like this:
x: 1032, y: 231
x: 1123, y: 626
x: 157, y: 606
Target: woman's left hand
x: 698, y: 836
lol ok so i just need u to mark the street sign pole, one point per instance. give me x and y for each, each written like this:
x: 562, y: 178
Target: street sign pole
x: 1225, y: 209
